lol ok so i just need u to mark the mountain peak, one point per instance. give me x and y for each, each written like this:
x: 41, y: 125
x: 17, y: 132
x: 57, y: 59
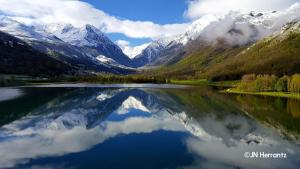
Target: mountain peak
x: 92, y: 29
x: 67, y: 28
x: 87, y: 35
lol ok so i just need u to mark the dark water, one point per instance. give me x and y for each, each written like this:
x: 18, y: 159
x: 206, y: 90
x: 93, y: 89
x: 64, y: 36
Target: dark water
x: 144, y: 127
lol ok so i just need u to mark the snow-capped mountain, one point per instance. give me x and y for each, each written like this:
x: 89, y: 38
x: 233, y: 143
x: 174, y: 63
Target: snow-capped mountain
x: 91, y: 41
x: 153, y: 51
x: 23, y: 31
x: 159, y: 51
x: 77, y: 46
x: 195, y: 29
x: 234, y: 28
x: 88, y: 48
x: 239, y: 27
x: 84, y: 36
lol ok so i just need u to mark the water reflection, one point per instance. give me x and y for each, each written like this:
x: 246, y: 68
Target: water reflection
x: 202, y: 128
x: 293, y: 107
x: 279, y: 113
x: 9, y: 93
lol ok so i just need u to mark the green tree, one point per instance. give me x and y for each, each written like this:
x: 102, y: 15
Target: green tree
x: 282, y: 84
x: 265, y: 83
x: 294, y: 85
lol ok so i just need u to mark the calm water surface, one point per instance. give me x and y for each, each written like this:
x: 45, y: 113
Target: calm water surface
x: 144, y: 127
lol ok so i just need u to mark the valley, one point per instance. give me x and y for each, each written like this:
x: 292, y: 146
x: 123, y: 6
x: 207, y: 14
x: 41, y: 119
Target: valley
x: 214, y: 50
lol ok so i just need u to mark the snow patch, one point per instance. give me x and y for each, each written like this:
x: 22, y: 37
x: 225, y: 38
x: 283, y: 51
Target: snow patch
x: 131, y: 103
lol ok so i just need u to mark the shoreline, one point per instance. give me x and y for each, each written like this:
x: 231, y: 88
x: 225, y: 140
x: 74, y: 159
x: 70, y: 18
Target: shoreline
x: 231, y: 85
x: 232, y: 88
x: 269, y: 94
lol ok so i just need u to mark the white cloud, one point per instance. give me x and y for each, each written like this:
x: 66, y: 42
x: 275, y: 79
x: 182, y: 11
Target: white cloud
x: 52, y: 139
x: 198, y: 8
x: 80, y: 13
x: 238, y: 28
x: 131, y: 51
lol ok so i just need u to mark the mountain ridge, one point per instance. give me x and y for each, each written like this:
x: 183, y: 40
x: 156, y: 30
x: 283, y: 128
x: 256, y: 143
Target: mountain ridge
x: 50, y: 44
x: 91, y: 41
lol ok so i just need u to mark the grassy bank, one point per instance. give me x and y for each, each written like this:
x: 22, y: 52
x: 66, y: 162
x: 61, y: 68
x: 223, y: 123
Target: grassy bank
x: 268, y: 85
x: 271, y: 94
x: 233, y: 88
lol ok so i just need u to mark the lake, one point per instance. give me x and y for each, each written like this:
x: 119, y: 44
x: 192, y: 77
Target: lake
x: 87, y: 126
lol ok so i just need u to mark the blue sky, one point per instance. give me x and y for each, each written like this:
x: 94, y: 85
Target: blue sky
x: 157, y: 11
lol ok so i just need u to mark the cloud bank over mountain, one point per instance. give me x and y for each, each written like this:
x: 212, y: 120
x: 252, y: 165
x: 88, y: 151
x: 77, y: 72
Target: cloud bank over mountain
x: 199, y: 8
x: 79, y: 13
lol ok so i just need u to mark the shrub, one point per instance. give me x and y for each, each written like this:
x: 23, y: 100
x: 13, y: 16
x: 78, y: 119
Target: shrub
x: 262, y: 83
x: 247, y: 83
x: 282, y: 84
x: 294, y: 85
x: 265, y: 83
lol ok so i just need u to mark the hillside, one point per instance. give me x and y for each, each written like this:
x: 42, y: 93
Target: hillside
x: 277, y: 54
x: 16, y: 57
x: 203, y: 56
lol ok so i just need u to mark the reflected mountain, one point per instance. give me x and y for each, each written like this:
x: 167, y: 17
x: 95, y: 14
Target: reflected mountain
x: 206, y: 129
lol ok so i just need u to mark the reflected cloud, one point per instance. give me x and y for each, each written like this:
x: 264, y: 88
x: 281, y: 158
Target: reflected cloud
x: 217, y: 134
x: 218, y: 146
x: 34, y: 142
x: 220, y: 154
x: 9, y: 94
